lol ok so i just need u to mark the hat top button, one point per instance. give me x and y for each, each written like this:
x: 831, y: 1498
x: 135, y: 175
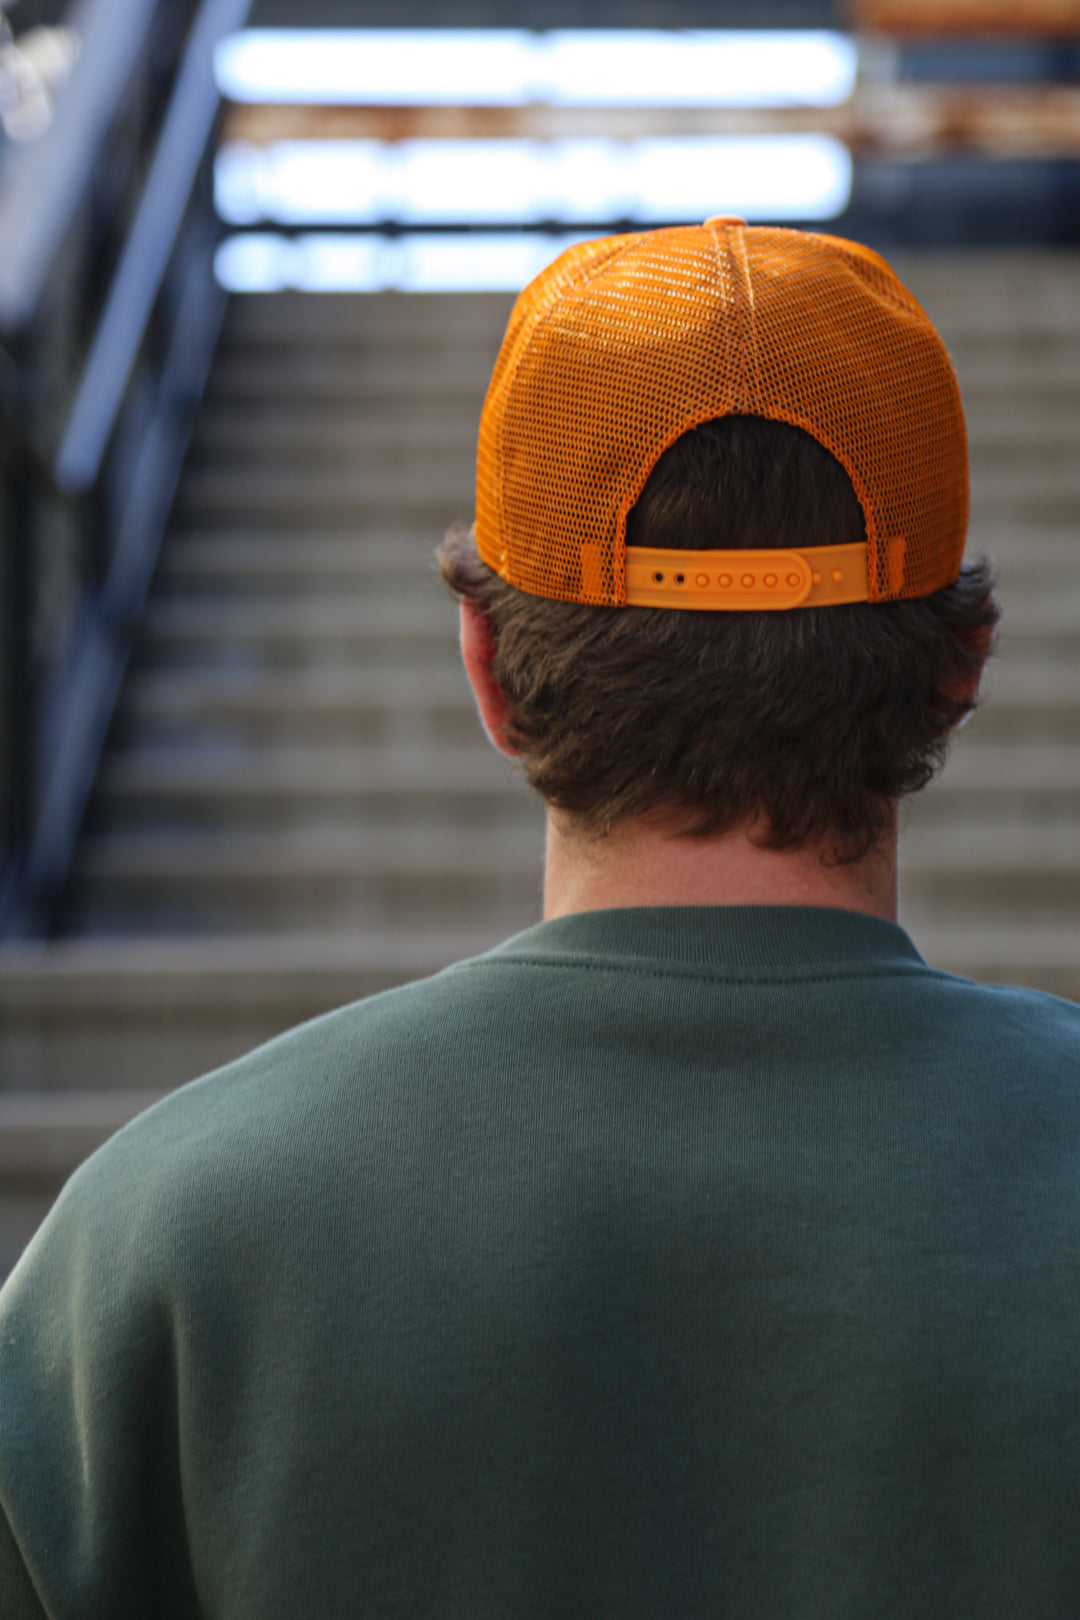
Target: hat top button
x: 725, y: 219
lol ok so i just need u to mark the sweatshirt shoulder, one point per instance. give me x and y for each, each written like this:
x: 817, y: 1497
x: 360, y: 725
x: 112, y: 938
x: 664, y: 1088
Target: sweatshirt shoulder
x: 349, y: 1052
x: 1002, y: 1029
x: 1017, y: 1009
x: 231, y: 1132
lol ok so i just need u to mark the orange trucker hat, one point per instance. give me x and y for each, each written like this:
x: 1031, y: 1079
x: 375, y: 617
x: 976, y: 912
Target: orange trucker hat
x: 623, y: 344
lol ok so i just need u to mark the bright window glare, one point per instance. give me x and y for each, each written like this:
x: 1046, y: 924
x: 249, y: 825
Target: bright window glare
x: 509, y: 67
x: 258, y: 262
x: 420, y: 183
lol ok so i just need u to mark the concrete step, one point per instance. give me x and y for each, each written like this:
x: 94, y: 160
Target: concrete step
x: 1004, y: 534
x: 315, y: 564
x: 1028, y: 703
x: 1039, y: 626
x: 294, y: 320
x: 301, y: 657
x: 1024, y: 551
x: 337, y: 373
x: 288, y: 427
x: 428, y: 494
x: 997, y: 423
x: 1042, y: 496
x: 450, y: 325
x: 255, y: 707
x: 198, y: 767
x: 366, y: 534
x: 229, y: 882
x: 325, y: 786
x: 432, y: 516
x: 243, y: 859
x: 991, y: 871
x: 397, y: 627
x: 1034, y: 348
x: 992, y: 457
x: 389, y: 476
x: 46, y: 1135
x: 1016, y: 280
x: 1028, y: 558
x: 1014, y: 782
x: 1000, y: 324
x: 1005, y: 316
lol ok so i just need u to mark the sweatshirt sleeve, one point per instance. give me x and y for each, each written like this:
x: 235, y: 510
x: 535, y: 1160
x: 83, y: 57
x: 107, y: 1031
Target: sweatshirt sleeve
x: 18, y: 1600
x: 91, y: 1504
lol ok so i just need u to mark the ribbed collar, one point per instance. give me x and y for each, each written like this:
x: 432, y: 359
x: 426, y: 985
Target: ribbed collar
x: 724, y: 939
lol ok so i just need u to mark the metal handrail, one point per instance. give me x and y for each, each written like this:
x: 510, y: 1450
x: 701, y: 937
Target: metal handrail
x: 38, y: 206
x: 119, y: 448
x: 147, y: 251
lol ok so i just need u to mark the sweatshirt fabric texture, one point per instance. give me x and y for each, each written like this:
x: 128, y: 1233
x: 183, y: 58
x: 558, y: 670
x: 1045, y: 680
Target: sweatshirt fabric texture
x: 661, y: 1263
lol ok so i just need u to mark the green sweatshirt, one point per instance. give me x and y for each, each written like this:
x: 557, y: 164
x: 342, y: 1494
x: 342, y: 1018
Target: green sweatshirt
x: 662, y: 1263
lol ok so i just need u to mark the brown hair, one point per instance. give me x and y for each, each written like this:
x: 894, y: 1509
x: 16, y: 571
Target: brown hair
x: 807, y: 724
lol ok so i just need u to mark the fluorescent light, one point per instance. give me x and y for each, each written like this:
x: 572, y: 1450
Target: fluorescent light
x: 719, y: 67
x: 257, y: 262
x: 418, y: 183
x: 509, y: 67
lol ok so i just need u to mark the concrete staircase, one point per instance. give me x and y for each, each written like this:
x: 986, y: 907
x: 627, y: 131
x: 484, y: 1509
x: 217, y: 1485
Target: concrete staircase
x: 991, y: 852
x: 297, y: 806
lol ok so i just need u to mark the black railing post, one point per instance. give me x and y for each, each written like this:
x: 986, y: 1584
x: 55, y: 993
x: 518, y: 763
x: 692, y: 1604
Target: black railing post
x: 17, y: 684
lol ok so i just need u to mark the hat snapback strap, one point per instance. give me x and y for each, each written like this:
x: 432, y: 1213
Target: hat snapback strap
x: 821, y: 576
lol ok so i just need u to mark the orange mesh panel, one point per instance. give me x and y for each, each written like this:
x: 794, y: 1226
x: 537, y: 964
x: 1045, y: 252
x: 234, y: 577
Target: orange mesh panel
x: 625, y: 343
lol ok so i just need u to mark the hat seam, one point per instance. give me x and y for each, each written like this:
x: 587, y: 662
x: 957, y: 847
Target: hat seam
x: 578, y: 277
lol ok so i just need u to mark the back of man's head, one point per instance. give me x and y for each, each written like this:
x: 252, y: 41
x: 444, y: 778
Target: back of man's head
x: 700, y: 609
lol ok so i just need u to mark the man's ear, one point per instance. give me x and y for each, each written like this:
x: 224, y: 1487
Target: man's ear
x: 978, y: 643
x: 478, y: 654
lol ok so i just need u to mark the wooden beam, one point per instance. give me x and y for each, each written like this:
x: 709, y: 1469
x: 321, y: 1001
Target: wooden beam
x: 910, y: 121
x: 1024, y: 18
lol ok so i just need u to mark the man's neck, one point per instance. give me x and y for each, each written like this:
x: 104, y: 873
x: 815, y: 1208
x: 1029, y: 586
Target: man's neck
x: 644, y: 865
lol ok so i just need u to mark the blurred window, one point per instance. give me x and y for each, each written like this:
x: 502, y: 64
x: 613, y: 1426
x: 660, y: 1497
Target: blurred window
x: 506, y: 67
x: 513, y: 182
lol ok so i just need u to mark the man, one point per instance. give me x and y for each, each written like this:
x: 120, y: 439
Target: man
x: 700, y: 1251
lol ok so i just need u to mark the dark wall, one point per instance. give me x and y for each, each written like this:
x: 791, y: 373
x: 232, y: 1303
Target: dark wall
x: 548, y: 14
